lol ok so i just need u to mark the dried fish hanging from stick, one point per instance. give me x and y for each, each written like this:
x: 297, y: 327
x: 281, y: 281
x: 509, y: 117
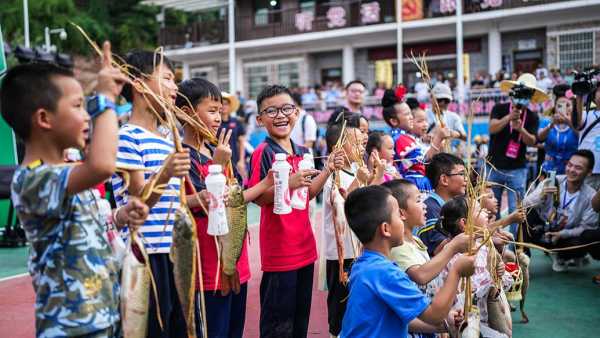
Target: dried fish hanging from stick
x: 185, y: 253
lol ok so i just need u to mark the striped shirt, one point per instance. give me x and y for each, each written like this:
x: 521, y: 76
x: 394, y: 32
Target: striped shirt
x: 141, y: 149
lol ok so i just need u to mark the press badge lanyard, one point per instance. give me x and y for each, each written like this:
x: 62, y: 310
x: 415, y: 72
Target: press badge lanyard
x: 566, y: 203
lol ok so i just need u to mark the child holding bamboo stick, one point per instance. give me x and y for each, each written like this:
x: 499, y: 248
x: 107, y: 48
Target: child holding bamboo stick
x: 383, y: 301
x: 488, y: 281
x: 225, y: 296
x: 412, y: 255
x: 145, y: 147
x: 340, y: 245
x: 74, y: 272
x: 410, y: 156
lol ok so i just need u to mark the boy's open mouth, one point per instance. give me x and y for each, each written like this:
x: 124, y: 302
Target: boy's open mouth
x: 281, y: 124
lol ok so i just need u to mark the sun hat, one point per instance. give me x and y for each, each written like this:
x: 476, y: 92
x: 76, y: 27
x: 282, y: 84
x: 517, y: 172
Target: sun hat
x: 528, y: 80
x: 234, y: 102
x: 442, y: 91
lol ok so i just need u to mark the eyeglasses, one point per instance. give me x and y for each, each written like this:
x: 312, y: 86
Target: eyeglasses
x: 286, y: 110
x: 461, y: 173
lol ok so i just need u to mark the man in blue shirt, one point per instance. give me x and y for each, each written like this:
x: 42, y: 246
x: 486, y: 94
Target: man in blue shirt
x: 446, y: 173
x: 383, y: 301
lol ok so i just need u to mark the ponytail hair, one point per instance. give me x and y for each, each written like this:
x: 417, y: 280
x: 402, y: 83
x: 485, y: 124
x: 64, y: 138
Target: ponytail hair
x: 451, y: 214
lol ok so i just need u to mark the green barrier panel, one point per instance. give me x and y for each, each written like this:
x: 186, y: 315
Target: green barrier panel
x: 7, y: 143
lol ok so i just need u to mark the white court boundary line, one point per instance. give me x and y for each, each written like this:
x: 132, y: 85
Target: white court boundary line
x: 13, y: 277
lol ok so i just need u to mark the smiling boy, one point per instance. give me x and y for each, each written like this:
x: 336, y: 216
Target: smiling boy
x: 287, y: 243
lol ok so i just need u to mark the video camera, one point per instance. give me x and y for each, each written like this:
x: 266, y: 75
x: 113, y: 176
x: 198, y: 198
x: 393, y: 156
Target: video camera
x: 521, y: 91
x: 521, y: 95
x: 585, y: 82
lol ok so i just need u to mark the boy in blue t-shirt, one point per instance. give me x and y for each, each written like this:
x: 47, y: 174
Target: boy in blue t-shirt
x: 383, y: 300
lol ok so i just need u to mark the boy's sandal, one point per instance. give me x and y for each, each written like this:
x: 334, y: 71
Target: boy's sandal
x: 596, y: 279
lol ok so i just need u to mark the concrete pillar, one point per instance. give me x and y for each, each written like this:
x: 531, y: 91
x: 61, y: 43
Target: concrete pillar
x: 348, y: 64
x: 460, y: 78
x: 239, y: 75
x: 186, y: 71
x: 494, y: 50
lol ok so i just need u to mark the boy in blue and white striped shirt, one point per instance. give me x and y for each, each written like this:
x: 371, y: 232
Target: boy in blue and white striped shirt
x: 144, y: 148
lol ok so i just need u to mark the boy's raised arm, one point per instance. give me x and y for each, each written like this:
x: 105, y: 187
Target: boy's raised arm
x: 176, y: 165
x: 444, y: 298
x: 423, y: 274
x: 100, y: 163
x: 334, y: 161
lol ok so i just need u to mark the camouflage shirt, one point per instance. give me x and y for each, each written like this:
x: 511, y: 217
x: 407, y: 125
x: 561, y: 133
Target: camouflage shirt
x: 74, y: 276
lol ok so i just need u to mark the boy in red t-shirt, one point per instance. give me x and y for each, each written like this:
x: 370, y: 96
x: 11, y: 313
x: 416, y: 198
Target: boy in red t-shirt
x: 287, y: 243
x: 226, y: 300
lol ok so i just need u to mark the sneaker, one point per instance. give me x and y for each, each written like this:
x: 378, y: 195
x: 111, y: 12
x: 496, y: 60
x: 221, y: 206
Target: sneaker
x: 558, y: 265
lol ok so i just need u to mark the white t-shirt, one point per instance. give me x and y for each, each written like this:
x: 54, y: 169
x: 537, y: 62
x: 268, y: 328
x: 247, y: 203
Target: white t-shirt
x: 545, y: 84
x: 349, y: 239
x: 422, y: 91
x: 451, y: 120
x: 592, y: 139
x: 310, y: 129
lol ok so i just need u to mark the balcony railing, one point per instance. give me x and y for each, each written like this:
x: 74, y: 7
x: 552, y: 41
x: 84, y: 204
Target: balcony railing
x: 350, y: 13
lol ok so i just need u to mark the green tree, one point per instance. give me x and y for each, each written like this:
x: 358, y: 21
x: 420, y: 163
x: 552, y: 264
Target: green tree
x: 126, y: 23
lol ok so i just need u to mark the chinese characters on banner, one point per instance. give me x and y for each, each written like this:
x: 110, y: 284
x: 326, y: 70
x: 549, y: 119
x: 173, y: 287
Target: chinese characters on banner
x: 336, y: 16
x: 369, y: 12
x: 485, y: 4
x: 304, y: 21
x: 447, y: 6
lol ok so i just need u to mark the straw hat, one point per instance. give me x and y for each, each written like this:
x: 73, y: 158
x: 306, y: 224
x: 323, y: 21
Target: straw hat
x: 234, y: 102
x: 529, y: 81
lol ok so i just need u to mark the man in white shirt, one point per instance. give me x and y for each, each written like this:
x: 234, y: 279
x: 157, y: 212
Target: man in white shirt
x: 589, y: 133
x: 544, y: 82
x: 451, y: 120
x: 305, y: 129
x: 572, y: 221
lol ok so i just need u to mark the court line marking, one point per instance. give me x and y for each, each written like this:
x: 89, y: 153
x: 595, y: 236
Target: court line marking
x: 13, y: 277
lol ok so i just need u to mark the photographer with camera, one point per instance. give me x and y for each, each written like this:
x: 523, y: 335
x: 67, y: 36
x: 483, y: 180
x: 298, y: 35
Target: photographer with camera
x: 513, y: 127
x: 586, y: 88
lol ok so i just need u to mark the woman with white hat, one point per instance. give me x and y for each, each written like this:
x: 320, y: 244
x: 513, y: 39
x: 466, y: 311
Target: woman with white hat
x: 513, y: 127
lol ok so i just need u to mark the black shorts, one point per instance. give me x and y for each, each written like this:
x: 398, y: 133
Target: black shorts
x: 337, y: 297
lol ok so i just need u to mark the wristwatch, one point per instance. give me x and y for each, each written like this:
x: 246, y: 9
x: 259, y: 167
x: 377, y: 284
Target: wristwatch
x: 98, y: 104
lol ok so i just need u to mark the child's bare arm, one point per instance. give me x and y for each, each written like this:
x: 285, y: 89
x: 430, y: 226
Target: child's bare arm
x: 100, y: 162
x: 258, y: 190
x: 177, y: 165
x: 334, y: 161
x: 417, y: 325
x: 423, y: 274
x: 444, y: 298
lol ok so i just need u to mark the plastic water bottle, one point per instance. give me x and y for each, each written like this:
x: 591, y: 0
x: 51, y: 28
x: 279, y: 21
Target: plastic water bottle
x: 217, y: 216
x: 300, y: 195
x: 281, y: 176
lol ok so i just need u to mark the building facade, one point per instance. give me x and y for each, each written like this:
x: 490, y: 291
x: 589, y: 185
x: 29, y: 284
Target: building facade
x: 301, y: 43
